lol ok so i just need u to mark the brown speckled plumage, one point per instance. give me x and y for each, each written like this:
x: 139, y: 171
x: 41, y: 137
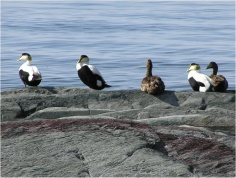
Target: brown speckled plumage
x: 219, y: 82
x: 152, y: 84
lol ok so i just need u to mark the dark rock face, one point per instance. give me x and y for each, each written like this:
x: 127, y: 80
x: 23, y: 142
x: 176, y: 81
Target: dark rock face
x: 205, y: 154
x: 76, y: 132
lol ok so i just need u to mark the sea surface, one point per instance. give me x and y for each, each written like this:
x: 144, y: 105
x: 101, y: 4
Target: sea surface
x: 119, y: 37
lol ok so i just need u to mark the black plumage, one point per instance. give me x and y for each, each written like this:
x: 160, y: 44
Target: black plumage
x: 89, y: 74
x: 90, y: 79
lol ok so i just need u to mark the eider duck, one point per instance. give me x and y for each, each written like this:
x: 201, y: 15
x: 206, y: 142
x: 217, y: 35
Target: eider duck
x: 219, y: 82
x: 152, y: 84
x: 198, y: 82
x: 29, y: 75
x: 89, y: 74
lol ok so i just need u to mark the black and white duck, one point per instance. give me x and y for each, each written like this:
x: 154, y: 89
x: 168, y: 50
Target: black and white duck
x: 29, y: 75
x: 198, y: 81
x: 89, y: 74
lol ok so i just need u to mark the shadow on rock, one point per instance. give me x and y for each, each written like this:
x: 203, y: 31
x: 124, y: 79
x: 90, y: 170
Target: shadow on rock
x: 168, y: 97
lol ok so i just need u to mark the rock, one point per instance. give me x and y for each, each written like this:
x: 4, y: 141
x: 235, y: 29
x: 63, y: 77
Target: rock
x: 110, y: 147
x: 198, y: 152
x: 199, y: 120
x: 57, y: 112
x: 195, y: 102
x: 50, y: 102
x: 42, y: 98
x: 10, y: 111
x: 124, y: 114
x: 117, y: 133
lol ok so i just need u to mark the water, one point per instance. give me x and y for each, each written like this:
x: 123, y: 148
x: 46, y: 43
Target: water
x: 118, y: 37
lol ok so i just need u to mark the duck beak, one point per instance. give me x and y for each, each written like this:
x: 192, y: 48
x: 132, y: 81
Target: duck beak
x: 80, y: 60
x: 20, y: 58
x: 188, y: 69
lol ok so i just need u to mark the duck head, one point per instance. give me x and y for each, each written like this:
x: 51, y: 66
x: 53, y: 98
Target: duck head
x: 25, y: 56
x: 193, y: 67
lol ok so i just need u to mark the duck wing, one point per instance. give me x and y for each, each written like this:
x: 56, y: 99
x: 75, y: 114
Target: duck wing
x: 36, y: 73
x: 218, y: 78
x: 92, y: 77
x: 23, y: 76
x: 203, y: 81
x: 219, y: 83
x: 152, y: 85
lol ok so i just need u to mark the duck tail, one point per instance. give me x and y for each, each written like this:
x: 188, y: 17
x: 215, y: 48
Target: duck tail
x: 107, y: 86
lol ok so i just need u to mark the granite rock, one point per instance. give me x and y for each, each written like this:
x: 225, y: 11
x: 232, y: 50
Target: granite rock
x: 208, y: 109
x: 111, y: 147
x: 70, y: 132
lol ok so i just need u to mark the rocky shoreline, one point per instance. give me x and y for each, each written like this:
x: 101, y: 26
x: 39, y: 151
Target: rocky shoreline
x: 65, y: 131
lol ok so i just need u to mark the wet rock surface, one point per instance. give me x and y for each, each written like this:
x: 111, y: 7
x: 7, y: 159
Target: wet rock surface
x: 74, y: 132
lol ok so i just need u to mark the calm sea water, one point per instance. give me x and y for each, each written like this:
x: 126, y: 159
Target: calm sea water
x: 118, y: 37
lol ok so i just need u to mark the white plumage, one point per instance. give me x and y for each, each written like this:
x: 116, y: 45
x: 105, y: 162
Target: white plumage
x: 92, y: 68
x: 198, y: 81
x: 30, y: 69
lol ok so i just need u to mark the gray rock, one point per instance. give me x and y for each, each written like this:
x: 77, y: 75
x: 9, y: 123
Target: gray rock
x: 116, y: 133
x: 199, y: 120
x: 10, y: 111
x: 125, y: 114
x: 111, y: 147
x: 57, y: 112
x: 213, y: 109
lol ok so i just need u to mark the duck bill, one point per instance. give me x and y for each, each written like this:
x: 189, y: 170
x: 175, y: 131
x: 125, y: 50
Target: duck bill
x: 80, y: 59
x: 20, y: 58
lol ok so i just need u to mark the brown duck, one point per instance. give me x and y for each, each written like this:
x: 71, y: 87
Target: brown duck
x: 219, y: 82
x: 152, y: 84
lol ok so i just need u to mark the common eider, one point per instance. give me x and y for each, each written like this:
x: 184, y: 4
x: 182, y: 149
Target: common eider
x: 89, y: 74
x: 198, y: 81
x: 152, y: 84
x: 219, y: 82
x: 29, y: 75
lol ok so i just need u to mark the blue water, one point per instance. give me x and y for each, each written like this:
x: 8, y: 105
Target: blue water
x: 118, y: 37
